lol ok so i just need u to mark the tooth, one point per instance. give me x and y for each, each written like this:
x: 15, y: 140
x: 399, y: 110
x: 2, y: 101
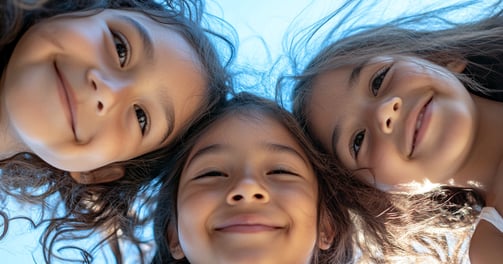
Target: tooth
x: 419, y: 120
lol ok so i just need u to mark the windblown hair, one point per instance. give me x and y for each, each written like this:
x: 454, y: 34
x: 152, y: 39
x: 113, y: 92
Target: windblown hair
x: 433, y: 37
x: 350, y: 207
x: 106, y: 207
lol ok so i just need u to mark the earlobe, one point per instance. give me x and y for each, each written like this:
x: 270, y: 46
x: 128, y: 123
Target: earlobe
x: 174, y: 244
x: 176, y: 251
x: 456, y: 65
x: 327, y: 232
x: 105, y: 174
x: 325, y: 241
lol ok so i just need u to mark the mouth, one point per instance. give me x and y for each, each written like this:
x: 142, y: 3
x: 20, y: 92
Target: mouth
x: 419, y: 126
x: 247, y: 228
x: 67, y: 98
x: 247, y: 224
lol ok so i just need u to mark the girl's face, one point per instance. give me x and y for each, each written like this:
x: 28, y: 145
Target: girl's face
x: 394, y: 120
x: 247, y: 194
x: 88, y: 90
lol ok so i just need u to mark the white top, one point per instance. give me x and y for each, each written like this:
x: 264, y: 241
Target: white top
x: 492, y: 216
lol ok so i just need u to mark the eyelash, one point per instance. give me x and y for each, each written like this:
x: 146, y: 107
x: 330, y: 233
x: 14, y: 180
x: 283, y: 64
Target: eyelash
x: 142, y: 118
x: 122, y: 48
x: 375, y: 85
x: 378, y: 79
x: 282, y: 171
x: 211, y: 174
x: 357, y: 142
x: 218, y: 173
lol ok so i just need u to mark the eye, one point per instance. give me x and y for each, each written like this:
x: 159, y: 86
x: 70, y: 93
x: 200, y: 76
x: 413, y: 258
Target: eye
x: 122, y: 48
x: 142, y: 118
x: 378, y: 79
x: 281, y: 171
x: 213, y: 173
x: 357, y: 143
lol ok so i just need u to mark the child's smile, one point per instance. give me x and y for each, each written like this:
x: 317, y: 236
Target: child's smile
x: 420, y: 125
x: 67, y: 97
x: 393, y: 114
x: 247, y: 193
x: 85, y: 90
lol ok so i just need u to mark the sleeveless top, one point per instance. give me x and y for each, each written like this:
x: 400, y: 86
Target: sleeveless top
x: 492, y: 216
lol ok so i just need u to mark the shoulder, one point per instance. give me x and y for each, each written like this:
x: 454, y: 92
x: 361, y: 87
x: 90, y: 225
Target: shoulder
x: 486, y: 244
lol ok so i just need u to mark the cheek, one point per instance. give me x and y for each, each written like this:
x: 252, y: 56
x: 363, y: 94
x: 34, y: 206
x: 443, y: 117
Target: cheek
x: 307, y: 228
x: 194, y: 211
x: 386, y: 165
x: 194, y: 208
x: 302, y: 205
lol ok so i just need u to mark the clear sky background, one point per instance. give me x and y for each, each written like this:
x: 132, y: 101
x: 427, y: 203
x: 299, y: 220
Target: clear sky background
x: 261, y: 25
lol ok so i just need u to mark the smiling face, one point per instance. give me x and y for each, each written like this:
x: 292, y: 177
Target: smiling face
x: 85, y: 90
x: 398, y: 119
x: 247, y: 193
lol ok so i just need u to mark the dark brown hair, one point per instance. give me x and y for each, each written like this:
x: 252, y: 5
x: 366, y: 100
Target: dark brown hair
x: 106, y: 207
x: 430, y: 36
x: 354, y: 210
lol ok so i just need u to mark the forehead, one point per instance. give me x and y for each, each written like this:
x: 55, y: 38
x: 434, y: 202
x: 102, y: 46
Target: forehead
x: 251, y: 128
x: 234, y: 122
x: 329, y: 102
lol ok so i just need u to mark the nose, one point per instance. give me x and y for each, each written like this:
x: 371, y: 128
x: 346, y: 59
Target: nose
x: 108, y: 90
x: 247, y: 190
x: 387, y: 113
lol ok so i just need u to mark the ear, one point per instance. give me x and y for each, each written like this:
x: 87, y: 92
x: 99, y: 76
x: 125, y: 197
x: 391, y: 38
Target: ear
x: 105, y: 174
x: 327, y: 232
x: 174, y: 244
x: 456, y: 65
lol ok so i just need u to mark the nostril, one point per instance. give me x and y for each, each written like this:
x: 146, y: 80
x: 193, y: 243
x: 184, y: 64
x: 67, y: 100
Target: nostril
x: 388, y: 122
x: 259, y: 196
x: 395, y: 107
x: 100, y: 106
x: 94, y: 85
x: 237, y: 197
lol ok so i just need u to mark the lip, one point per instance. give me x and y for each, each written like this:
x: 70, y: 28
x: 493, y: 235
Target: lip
x: 67, y: 98
x: 247, y: 223
x: 420, y: 116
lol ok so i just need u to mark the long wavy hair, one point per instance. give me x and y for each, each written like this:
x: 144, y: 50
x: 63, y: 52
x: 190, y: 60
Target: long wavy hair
x: 357, y: 212
x: 431, y: 36
x: 106, y: 207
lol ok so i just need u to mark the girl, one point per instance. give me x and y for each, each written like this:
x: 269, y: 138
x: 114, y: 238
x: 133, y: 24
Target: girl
x: 99, y: 95
x: 399, y: 107
x: 250, y: 188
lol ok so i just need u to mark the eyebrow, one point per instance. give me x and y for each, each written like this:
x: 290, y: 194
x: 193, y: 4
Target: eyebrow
x: 148, y: 46
x: 279, y: 148
x: 213, y: 148
x: 335, y: 136
x: 273, y: 147
x: 169, y: 114
x: 355, y: 73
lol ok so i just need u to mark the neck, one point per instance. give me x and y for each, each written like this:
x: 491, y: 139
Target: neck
x: 484, y: 159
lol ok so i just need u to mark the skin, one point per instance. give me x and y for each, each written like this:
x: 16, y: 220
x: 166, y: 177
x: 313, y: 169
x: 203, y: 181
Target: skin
x: 247, y: 193
x: 458, y: 143
x: 376, y: 123
x: 85, y: 90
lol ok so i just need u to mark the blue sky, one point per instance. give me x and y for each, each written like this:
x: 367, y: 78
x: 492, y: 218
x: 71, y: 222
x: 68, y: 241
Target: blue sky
x: 261, y: 25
